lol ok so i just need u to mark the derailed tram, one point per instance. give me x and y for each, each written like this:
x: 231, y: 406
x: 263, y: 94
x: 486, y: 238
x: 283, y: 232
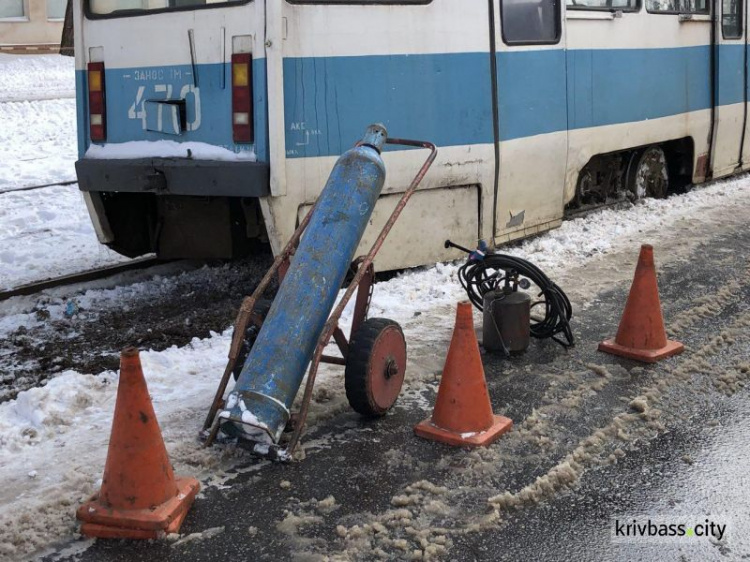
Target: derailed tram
x: 206, y: 124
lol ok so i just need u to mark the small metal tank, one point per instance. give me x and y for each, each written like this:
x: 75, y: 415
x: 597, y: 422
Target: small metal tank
x: 506, y: 325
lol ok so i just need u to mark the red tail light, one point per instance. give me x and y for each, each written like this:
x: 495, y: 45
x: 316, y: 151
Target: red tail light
x: 242, y: 97
x: 97, y: 103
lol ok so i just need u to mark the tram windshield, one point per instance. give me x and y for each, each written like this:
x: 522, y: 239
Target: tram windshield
x: 115, y: 7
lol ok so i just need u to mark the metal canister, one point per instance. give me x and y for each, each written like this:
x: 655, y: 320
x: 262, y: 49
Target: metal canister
x: 258, y: 406
x: 506, y: 325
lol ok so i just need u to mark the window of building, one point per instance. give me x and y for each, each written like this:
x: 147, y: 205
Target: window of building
x: 530, y: 21
x: 678, y: 6
x: 56, y: 9
x: 731, y: 19
x: 610, y: 5
x: 12, y: 9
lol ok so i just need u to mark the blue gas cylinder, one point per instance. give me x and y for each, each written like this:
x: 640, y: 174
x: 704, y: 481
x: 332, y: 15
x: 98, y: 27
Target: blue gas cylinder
x: 258, y: 406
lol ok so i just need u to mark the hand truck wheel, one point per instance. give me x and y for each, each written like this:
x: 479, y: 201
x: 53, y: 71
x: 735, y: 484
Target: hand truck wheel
x: 375, y: 366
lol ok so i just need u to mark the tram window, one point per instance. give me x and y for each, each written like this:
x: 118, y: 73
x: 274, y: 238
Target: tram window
x: 731, y: 19
x: 610, y: 5
x: 678, y: 6
x: 528, y: 22
x: 360, y: 2
x: 127, y: 7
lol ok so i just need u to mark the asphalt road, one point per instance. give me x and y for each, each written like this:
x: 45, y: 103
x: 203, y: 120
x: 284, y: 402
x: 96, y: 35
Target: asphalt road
x: 595, y: 438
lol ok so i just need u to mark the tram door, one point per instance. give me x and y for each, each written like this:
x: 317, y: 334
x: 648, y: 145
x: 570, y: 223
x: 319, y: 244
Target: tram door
x: 532, y: 116
x: 731, y: 91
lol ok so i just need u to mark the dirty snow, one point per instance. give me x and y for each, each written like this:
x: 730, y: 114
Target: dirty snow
x: 60, y: 432
x: 68, y: 418
x: 572, y: 245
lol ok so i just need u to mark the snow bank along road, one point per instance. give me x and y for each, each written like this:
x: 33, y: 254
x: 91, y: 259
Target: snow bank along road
x: 391, y: 495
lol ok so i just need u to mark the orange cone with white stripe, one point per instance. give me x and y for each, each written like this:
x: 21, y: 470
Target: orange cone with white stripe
x: 463, y: 414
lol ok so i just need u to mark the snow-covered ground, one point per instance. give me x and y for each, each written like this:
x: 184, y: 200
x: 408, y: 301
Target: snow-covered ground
x: 37, y: 111
x: 37, y: 142
x: 29, y: 77
x: 53, y: 439
x: 45, y: 233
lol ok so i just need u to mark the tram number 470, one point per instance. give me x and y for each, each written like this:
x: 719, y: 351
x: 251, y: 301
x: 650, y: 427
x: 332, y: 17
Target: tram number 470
x: 164, y: 91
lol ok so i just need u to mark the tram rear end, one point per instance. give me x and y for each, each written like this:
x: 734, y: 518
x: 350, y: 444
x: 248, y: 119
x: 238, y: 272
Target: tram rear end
x: 172, y: 133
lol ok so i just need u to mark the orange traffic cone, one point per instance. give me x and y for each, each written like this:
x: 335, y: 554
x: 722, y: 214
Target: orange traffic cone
x: 463, y: 413
x: 139, y: 497
x: 641, y: 335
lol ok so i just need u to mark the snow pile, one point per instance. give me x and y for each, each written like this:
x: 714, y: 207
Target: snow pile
x: 572, y: 245
x: 29, y: 77
x: 53, y: 439
x: 38, y: 142
x: 167, y: 149
x: 45, y: 233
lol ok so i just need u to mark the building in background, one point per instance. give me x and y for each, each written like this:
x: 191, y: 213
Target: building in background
x: 31, y: 25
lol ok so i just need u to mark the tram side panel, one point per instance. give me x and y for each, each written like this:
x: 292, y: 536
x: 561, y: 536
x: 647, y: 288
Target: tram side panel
x: 532, y: 111
x: 744, y: 6
x: 420, y: 69
x: 731, y: 97
x: 636, y: 80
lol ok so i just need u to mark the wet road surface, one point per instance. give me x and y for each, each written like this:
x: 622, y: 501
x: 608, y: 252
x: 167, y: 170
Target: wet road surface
x: 595, y: 437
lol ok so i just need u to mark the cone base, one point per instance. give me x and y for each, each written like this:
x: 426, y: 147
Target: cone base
x: 94, y: 530
x: 105, y: 522
x: 644, y: 355
x: 500, y: 425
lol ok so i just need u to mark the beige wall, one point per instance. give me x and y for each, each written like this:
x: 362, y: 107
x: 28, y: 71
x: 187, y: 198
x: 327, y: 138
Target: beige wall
x: 36, y: 28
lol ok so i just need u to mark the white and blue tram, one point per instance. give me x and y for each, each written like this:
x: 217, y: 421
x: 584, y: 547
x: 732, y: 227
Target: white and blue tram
x: 204, y: 124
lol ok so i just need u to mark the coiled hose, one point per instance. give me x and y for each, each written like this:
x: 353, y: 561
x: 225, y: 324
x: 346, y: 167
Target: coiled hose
x: 484, y: 272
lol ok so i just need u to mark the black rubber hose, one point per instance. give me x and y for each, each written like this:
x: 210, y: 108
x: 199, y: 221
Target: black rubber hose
x: 488, y: 273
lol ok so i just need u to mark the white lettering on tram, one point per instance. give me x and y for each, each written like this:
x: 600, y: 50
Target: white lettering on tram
x: 189, y: 93
x: 150, y: 74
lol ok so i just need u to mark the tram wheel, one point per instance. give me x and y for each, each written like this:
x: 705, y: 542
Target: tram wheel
x: 251, y: 333
x: 586, y: 188
x: 375, y: 367
x: 648, y: 173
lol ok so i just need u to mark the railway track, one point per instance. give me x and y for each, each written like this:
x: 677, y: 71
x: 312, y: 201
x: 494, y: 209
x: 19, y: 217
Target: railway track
x: 40, y: 97
x: 82, y: 277
x: 40, y: 186
x: 143, y: 263
x: 571, y: 214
